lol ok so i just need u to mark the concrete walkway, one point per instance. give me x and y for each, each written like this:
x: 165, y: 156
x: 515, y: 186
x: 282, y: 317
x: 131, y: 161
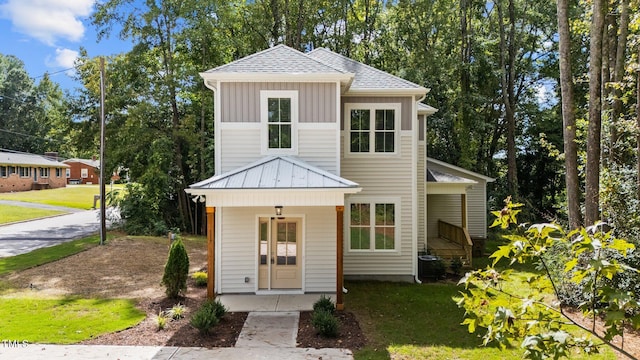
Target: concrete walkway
x: 265, y: 336
x: 40, y: 206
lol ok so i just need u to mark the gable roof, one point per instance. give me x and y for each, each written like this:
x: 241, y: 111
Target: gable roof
x: 276, y: 63
x: 367, y: 78
x: 276, y: 172
x: 17, y: 159
x: 88, y: 162
x: 441, y: 177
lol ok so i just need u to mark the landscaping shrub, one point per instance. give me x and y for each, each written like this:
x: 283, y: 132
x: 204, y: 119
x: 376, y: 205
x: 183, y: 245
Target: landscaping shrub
x: 324, y: 303
x: 200, y: 278
x: 176, y: 270
x: 177, y: 311
x: 456, y: 266
x: 161, y: 320
x: 325, y: 323
x: 208, y: 316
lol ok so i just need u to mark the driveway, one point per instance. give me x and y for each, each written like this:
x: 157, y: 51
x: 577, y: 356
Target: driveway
x: 27, y: 236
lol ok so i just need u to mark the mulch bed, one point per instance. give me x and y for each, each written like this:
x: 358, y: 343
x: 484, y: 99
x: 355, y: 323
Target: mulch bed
x: 350, y: 335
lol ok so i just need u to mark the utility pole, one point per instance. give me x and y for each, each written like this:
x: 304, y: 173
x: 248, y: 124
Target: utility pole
x: 103, y: 220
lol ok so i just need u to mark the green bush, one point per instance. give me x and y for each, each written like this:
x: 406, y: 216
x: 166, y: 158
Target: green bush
x: 176, y: 270
x: 176, y: 312
x: 456, y: 266
x: 208, y: 316
x: 161, y: 320
x: 200, y: 278
x: 324, y: 303
x: 325, y: 323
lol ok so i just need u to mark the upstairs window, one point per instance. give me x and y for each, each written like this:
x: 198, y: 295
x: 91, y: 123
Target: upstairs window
x: 372, y: 128
x: 279, y: 118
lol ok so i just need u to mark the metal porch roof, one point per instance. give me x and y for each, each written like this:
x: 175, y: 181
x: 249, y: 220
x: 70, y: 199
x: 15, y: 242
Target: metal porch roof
x: 276, y: 172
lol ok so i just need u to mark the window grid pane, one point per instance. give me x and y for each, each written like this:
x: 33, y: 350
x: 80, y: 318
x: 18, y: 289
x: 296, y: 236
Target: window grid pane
x: 279, y: 118
x: 385, y: 130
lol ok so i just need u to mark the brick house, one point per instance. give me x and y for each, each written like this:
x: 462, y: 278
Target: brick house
x: 23, y: 172
x: 83, y: 171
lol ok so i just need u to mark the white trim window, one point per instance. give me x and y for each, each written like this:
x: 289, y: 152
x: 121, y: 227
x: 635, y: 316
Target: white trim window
x: 25, y: 172
x: 44, y: 172
x: 4, y: 172
x: 373, y: 225
x: 372, y: 128
x: 279, y: 121
x: 84, y: 173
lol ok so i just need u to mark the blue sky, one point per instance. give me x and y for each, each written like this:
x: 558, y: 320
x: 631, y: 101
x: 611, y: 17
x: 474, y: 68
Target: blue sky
x: 47, y: 35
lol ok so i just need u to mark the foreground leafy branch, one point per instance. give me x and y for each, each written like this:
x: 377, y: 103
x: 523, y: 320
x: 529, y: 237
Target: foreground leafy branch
x: 583, y: 263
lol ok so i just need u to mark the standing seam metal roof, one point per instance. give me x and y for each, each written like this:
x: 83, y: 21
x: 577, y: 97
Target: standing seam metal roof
x: 276, y: 172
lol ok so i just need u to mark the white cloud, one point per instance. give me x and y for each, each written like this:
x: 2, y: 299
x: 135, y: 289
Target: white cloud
x: 48, y: 20
x: 66, y: 57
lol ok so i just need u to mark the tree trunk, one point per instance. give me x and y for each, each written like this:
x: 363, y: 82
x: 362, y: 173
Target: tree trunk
x: 592, y: 187
x: 618, y: 74
x: 568, y: 117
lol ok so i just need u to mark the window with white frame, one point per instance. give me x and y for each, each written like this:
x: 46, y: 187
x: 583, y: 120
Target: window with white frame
x: 279, y: 118
x: 44, y: 172
x: 68, y: 171
x: 372, y: 225
x: 58, y: 172
x: 24, y: 171
x: 84, y: 173
x: 372, y: 128
x: 3, y: 171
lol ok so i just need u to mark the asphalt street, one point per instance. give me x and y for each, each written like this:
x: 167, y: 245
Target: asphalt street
x: 23, y: 237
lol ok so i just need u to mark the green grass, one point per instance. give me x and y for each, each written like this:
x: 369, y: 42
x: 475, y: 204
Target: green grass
x: 9, y: 214
x: 78, y: 197
x: 46, y: 255
x: 64, y: 321
x: 419, y: 321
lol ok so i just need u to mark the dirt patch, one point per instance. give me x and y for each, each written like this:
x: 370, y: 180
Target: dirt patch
x: 132, y: 268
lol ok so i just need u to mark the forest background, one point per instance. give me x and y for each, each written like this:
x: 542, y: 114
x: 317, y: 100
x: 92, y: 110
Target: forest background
x: 496, y: 71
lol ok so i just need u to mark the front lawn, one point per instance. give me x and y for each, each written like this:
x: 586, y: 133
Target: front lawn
x: 418, y: 321
x: 64, y: 321
x: 77, y: 196
x: 9, y: 213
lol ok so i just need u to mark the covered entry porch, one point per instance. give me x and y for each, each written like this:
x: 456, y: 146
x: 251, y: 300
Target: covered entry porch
x: 275, y: 227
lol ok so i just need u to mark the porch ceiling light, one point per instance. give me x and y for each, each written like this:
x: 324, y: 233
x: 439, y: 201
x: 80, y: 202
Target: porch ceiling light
x: 278, y: 210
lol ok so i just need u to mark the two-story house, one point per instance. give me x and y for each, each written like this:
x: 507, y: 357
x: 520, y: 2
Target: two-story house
x: 321, y: 174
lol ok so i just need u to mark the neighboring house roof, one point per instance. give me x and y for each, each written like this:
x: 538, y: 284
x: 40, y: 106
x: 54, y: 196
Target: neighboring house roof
x: 366, y: 77
x: 462, y: 170
x: 88, y: 162
x: 18, y: 159
x: 276, y: 172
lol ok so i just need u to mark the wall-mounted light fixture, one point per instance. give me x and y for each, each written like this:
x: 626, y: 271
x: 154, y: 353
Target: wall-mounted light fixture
x: 278, y: 210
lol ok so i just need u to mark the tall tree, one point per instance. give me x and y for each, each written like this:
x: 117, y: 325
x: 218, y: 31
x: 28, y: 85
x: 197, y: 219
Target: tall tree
x: 592, y: 182
x: 568, y: 117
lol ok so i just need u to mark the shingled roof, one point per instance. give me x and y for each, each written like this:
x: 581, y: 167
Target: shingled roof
x: 18, y: 159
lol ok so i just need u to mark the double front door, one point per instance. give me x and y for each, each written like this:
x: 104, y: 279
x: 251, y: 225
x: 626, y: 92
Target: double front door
x: 279, y: 260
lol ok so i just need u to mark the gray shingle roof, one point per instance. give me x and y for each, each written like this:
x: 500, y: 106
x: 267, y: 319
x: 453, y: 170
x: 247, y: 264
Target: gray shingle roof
x: 367, y: 77
x: 276, y: 172
x: 276, y: 60
x: 17, y: 159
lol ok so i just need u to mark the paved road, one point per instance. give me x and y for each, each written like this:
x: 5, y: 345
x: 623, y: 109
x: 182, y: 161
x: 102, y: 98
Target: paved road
x: 27, y: 236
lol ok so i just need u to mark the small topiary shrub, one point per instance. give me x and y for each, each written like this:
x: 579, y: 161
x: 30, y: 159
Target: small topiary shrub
x: 208, y: 316
x: 456, y: 266
x: 325, y: 323
x: 324, y: 303
x: 200, y: 278
x: 176, y: 270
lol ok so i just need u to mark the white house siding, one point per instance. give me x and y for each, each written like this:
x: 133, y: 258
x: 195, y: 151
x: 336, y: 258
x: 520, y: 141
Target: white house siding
x: 476, y: 203
x: 421, y: 201
x: 240, y: 101
x: 318, y: 147
x: 239, y: 147
x: 445, y: 208
x: 238, y: 249
x: 383, y: 176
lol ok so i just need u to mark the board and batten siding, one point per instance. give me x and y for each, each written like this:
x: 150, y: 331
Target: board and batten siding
x: 383, y: 176
x: 240, y: 147
x: 406, y: 103
x: 240, y: 101
x: 238, y: 247
x: 476, y: 205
